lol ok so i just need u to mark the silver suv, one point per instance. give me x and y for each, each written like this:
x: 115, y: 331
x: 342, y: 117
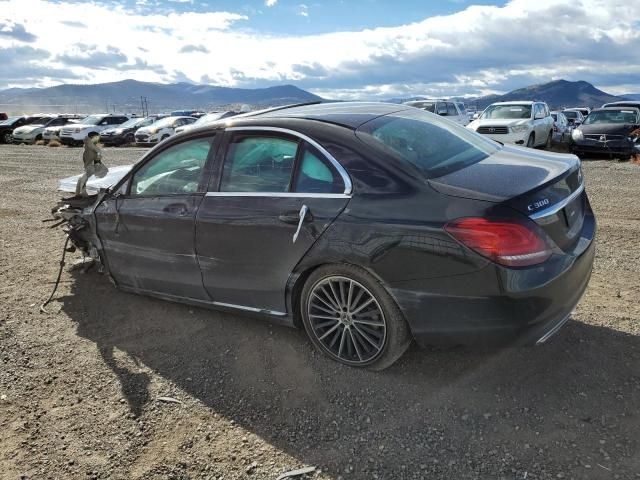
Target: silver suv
x: 521, y: 123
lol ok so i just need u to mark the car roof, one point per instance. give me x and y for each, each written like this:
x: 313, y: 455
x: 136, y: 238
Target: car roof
x: 616, y: 107
x: 517, y: 102
x: 348, y: 114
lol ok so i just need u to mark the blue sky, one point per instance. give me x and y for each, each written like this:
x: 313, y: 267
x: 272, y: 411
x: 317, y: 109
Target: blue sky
x: 367, y: 49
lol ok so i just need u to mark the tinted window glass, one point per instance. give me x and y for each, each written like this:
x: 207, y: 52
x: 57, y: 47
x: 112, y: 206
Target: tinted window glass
x: 316, y: 176
x: 451, y: 110
x: 258, y: 164
x: 612, y: 116
x: 176, y: 170
x: 435, y: 146
x: 507, y: 111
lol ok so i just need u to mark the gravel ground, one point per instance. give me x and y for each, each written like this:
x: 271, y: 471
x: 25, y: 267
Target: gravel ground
x: 82, y: 387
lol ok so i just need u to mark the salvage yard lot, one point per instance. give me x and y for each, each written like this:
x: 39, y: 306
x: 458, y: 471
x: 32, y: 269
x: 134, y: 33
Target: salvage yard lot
x: 81, y: 386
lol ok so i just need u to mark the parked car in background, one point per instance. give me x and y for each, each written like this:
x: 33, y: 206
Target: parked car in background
x: 444, y: 108
x: 53, y: 133
x: 125, y: 132
x: 623, y: 103
x: 608, y: 131
x: 561, y: 128
x: 206, y: 119
x: 76, y: 133
x: 187, y: 113
x: 520, y: 123
x: 34, y: 131
x: 161, y: 130
x: 8, y: 126
x: 368, y: 224
x: 583, y: 110
x: 574, y: 116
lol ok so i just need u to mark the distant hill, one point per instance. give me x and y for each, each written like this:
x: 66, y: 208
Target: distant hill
x: 632, y: 96
x: 124, y: 96
x: 557, y: 94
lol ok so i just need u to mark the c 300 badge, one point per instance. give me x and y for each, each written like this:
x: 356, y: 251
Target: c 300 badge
x: 538, y: 204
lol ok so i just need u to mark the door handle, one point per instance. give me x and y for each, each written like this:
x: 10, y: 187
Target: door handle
x: 179, y: 208
x: 302, y: 216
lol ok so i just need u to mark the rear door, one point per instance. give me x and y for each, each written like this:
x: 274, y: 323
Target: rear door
x: 148, y: 233
x: 274, y: 194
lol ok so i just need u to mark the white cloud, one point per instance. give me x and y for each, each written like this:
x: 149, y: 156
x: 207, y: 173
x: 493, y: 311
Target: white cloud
x: 303, y: 10
x: 270, y: 3
x: 479, y: 49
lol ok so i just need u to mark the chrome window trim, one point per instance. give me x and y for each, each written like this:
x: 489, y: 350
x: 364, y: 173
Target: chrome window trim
x: 277, y: 194
x: 348, y: 186
x: 552, y: 210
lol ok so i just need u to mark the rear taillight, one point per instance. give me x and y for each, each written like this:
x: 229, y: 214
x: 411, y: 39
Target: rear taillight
x: 510, y: 243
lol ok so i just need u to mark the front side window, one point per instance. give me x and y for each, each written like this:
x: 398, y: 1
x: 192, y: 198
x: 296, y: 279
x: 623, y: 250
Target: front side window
x: 258, y: 164
x: 174, y: 171
x: 315, y: 175
x: 451, y: 110
x: 433, y: 145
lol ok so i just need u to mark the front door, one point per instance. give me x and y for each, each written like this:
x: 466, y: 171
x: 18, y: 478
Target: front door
x: 274, y: 196
x: 148, y: 232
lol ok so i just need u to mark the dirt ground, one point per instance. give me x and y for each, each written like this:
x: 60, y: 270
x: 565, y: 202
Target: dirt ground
x: 82, y: 387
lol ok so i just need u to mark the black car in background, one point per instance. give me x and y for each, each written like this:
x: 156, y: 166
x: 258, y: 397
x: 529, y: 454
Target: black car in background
x: 613, y: 131
x: 367, y: 224
x: 7, y: 126
x: 125, y: 132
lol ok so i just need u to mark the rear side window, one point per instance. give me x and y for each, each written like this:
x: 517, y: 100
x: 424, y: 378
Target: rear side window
x: 315, y: 175
x: 258, y: 164
x: 433, y: 145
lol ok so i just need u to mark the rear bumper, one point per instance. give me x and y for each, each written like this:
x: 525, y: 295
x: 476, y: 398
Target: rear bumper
x: 497, y: 305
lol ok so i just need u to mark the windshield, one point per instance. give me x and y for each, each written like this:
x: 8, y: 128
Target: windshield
x: 612, y: 116
x: 137, y: 122
x: 37, y: 120
x: 10, y: 120
x: 165, y: 122
x: 92, y: 120
x: 507, y: 112
x: 571, y: 114
x: 208, y: 118
x: 434, y: 145
x: 428, y: 106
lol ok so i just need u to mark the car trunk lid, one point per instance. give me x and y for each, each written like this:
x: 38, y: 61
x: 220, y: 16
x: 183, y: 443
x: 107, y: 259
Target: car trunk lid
x: 546, y: 187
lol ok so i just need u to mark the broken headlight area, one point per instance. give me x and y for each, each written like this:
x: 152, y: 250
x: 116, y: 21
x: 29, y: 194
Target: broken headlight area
x: 75, y: 216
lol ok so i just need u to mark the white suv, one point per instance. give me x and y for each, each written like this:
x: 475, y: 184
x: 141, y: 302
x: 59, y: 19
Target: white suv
x: 521, y: 123
x: 160, y: 130
x: 454, y: 111
x: 76, y: 133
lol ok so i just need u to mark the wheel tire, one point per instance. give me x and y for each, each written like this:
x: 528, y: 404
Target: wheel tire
x: 38, y: 138
x: 6, y: 138
x: 129, y: 139
x: 374, y: 338
x: 531, y: 140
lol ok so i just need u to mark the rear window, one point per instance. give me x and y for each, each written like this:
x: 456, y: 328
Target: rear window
x: 434, y: 145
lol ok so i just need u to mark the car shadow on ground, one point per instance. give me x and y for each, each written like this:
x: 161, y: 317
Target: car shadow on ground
x: 269, y: 380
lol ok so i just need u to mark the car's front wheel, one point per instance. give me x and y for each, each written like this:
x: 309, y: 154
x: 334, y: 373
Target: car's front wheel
x: 349, y: 316
x: 6, y: 138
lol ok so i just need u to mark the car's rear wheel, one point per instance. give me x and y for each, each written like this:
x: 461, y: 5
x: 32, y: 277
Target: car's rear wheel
x: 531, y: 140
x: 349, y: 316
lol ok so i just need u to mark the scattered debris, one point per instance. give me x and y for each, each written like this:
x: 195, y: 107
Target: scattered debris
x: 297, y: 473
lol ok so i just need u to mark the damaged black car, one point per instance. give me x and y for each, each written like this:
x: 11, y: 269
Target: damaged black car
x: 369, y: 225
x: 612, y: 131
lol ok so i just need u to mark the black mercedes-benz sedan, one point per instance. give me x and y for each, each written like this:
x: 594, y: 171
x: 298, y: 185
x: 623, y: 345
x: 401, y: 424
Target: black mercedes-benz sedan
x: 367, y: 224
x: 612, y: 131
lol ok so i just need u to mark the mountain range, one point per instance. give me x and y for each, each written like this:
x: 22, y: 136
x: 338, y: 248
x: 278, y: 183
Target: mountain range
x: 557, y: 94
x: 124, y: 96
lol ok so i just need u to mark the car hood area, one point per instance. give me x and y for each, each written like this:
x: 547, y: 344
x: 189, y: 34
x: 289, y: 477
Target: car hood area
x: 94, y: 184
x: 506, y: 174
x: 608, y: 129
